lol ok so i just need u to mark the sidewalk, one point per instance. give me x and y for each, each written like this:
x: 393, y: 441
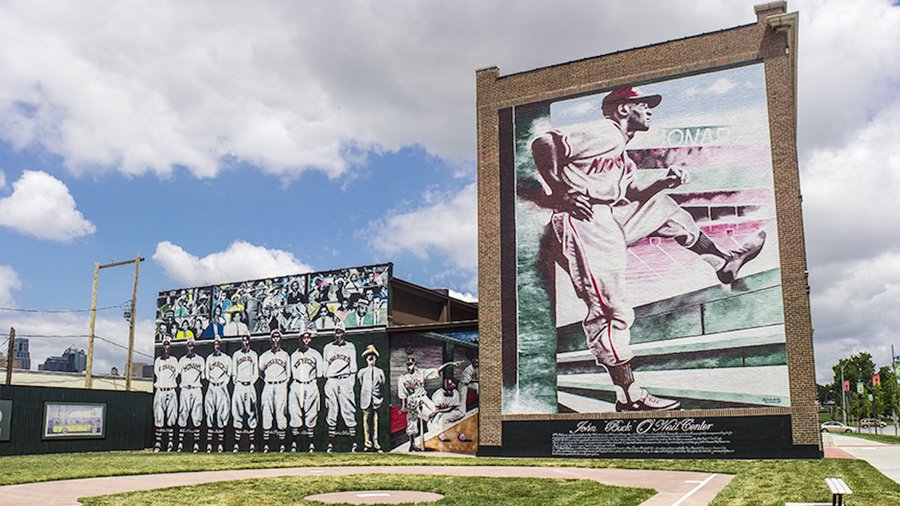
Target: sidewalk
x: 884, y: 457
x: 675, y: 488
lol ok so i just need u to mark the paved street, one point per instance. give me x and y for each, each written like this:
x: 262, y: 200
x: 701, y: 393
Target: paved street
x: 885, y: 458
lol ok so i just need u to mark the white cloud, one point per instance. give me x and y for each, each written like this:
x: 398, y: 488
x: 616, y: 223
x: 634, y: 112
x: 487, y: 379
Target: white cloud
x: 2, y: 180
x: 467, y: 297
x: 41, y: 206
x: 147, y: 86
x: 445, y: 226
x: 240, y: 261
x: 9, y: 281
x: 720, y: 86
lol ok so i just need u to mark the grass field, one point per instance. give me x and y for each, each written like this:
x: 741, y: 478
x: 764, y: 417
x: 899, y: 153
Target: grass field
x: 878, y: 438
x: 457, y: 491
x: 756, y: 482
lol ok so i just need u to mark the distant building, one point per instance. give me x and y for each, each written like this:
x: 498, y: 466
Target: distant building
x: 72, y: 360
x: 21, y: 354
x: 141, y: 370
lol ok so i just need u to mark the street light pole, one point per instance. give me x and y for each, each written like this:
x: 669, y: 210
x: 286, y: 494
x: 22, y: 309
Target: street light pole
x: 843, y: 402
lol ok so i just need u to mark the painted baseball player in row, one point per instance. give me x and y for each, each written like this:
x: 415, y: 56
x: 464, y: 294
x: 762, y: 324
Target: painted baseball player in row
x: 415, y: 401
x: 217, y: 401
x: 599, y: 210
x: 371, y: 397
x: 307, y: 366
x: 191, y: 369
x: 243, y: 401
x: 275, y: 368
x: 340, y: 363
x: 165, y: 398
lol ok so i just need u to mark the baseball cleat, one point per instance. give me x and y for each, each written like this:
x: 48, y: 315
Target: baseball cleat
x: 208, y: 448
x: 266, y: 449
x: 196, y: 448
x: 379, y: 450
x: 180, y: 447
x: 748, y: 251
x: 169, y: 447
x: 281, y: 449
x: 312, y: 448
x: 294, y: 447
x: 648, y: 402
x: 330, y: 448
x: 236, y: 449
x: 220, y: 449
x: 156, y: 449
x: 353, y: 448
x: 252, y: 448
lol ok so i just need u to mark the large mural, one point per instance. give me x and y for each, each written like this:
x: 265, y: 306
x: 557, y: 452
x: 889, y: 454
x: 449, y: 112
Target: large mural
x: 648, y: 274
x: 304, y: 391
x: 357, y: 297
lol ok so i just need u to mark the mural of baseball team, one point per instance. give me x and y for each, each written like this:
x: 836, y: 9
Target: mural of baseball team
x: 647, y: 249
x: 268, y: 386
x: 356, y: 297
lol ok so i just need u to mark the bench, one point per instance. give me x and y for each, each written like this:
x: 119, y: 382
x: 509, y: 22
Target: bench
x: 838, y: 490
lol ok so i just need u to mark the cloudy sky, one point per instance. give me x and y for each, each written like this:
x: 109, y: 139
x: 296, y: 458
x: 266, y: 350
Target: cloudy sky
x: 231, y: 140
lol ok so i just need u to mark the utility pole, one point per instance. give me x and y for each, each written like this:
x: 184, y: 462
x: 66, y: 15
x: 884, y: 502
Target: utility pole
x: 137, y: 268
x: 10, y: 361
x: 90, y: 354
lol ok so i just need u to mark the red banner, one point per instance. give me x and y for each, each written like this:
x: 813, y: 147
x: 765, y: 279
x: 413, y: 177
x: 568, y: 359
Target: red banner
x: 876, y: 379
x: 846, y: 385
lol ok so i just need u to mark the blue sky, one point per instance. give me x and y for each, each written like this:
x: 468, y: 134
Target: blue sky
x: 224, y: 140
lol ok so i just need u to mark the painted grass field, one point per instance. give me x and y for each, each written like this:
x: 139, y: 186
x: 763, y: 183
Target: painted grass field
x: 756, y: 482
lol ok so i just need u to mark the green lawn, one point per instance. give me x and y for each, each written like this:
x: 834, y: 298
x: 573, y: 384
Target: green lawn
x: 878, y: 438
x: 457, y: 491
x: 756, y: 482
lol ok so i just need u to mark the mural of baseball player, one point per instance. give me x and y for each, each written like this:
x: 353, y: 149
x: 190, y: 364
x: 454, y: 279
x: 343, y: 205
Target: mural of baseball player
x: 276, y: 371
x: 307, y: 366
x: 371, y: 396
x: 469, y: 378
x: 191, y: 370
x: 599, y: 210
x: 416, y: 403
x: 340, y: 360
x: 448, y: 408
x: 165, y: 399
x: 245, y: 364
x: 217, y: 401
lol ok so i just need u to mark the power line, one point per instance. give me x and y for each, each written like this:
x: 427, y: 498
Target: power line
x: 120, y: 305
x: 45, y: 336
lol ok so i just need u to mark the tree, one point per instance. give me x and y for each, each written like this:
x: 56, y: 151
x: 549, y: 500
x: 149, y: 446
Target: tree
x: 857, y: 369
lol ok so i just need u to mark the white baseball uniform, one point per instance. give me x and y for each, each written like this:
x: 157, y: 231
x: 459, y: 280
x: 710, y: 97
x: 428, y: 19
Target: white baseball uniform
x: 217, y: 401
x: 303, y: 399
x: 594, y: 161
x: 468, y: 379
x: 411, y: 391
x: 442, y: 400
x: 190, y: 401
x: 340, y: 363
x: 165, y: 399
x: 276, y: 372
x: 243, y: 401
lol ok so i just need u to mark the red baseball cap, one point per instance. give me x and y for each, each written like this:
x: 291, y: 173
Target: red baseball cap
x: 630, y: 94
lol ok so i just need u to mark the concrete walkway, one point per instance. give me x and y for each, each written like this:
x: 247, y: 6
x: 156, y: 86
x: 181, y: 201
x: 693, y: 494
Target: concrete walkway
x: 675, y: 488
x: 884, y: 457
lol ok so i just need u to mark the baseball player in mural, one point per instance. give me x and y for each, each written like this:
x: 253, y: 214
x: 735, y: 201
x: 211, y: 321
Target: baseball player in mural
x: 448, y: 408
x: 599, y: 210
x: 191, y: 369
x: 469, y: 378
x: 371, y: 396
x: 217, y: 401
x: 165, y: 399
x: 245, y: 364
x: 415, y: 402
x: 340, y: 363
x: 275, y: 366
x: 307, y: 366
